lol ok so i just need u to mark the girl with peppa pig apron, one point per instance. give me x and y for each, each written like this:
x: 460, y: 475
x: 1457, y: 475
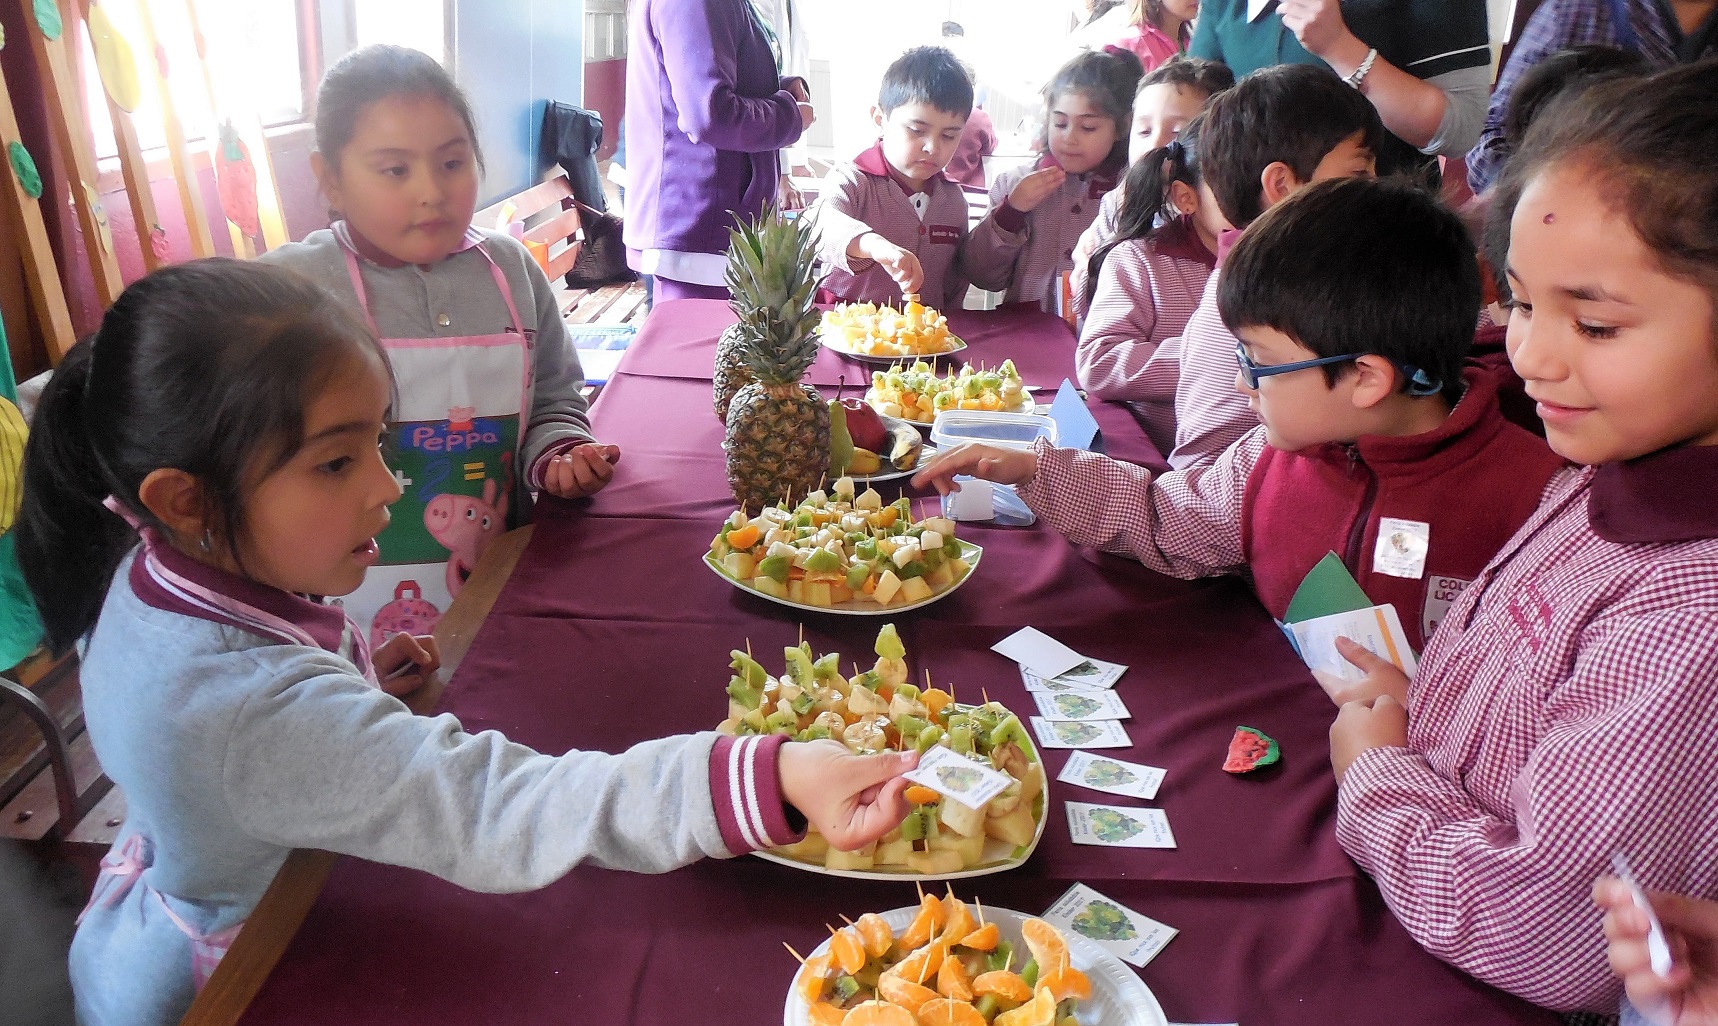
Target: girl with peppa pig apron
x: 490, y: 405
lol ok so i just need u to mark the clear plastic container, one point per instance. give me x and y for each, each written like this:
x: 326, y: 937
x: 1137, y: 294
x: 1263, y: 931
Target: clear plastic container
x: 1009, y: 430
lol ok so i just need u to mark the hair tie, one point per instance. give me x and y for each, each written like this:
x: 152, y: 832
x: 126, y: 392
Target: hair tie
x: 1115, y: 51
x: 122, y: 512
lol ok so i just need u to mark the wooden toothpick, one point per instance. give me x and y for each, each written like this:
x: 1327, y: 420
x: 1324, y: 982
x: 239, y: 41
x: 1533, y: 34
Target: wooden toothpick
x: 978, y: 904
x: 792, y: 952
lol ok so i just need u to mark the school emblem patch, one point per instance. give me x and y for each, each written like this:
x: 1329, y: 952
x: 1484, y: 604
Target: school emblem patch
x: 1441, y: 594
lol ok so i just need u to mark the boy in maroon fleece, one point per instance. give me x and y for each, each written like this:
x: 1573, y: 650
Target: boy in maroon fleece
x: 1354, y: 304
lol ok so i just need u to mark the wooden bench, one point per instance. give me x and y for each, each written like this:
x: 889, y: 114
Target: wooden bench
x: 552, y: 222
x: 52, y: 789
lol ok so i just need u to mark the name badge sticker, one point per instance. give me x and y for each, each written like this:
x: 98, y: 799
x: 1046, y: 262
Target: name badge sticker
x: 1401, y: 548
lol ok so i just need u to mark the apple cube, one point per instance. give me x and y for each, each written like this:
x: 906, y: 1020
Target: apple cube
x: 770, y: 586
x: 894, y: 853
x: 864, y: 858
x: 796, y: 591
x: 887, y: 586
x: 963, y: 820
x: 813, y: 849
x: 935, y: 863
x: 817, y: 594
x: 940, y: 578
x: 1016, y: 828
x: 970, y: 849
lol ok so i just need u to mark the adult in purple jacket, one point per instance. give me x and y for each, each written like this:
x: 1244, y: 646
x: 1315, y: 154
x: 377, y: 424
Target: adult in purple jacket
x: 706, y: 110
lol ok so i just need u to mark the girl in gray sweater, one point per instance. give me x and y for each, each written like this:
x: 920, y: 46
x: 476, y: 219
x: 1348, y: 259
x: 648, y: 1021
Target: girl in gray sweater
x: 203, y: 470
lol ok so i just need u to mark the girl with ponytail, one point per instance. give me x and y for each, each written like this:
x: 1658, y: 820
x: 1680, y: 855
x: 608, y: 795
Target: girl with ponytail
x: 1143, y: 286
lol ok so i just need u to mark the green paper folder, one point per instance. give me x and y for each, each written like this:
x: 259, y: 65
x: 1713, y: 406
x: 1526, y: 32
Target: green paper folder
x: 1328, y: 589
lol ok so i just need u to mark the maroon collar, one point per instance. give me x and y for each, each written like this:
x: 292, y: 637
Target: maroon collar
x: 873, y: 163
x: 1662, y: 497
x: 167, y: 579
x: 344, y: 231
x: 1181, y: 240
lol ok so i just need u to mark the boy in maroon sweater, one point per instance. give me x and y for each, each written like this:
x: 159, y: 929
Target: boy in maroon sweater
x: 1354, y: 304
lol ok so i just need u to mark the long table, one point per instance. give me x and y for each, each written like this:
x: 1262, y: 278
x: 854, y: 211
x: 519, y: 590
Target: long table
x: 608, y: 631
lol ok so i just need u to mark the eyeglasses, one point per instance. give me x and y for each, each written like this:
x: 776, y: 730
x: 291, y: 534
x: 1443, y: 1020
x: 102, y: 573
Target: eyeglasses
x: 1252, y: 372
x: 1419, y: 383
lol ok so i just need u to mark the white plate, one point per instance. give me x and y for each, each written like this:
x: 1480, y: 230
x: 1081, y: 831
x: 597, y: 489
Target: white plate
x: 1032, y: 407
x: 1119, y: 997
x: 884, y: 361
x: 857, y: 607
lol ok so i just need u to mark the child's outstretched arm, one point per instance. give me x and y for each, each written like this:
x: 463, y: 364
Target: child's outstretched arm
x: 319, y: 758
x: 1621, y: 762
x: 1185, y: 524
x: 1688, y: 994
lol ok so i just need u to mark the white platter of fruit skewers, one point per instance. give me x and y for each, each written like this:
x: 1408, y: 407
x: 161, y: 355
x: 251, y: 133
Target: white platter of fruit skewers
x: 877, y: 710
x: 843, y: 552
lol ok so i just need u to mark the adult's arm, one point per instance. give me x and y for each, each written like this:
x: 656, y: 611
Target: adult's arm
x: 1423, y: 112
x: 1551, y: 28
x: 700, y: 43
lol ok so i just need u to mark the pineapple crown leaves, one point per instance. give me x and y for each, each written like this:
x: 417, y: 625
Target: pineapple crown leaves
x: 770, y: 262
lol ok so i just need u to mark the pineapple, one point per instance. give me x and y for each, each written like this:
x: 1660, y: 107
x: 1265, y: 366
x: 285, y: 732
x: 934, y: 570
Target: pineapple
x: 777, y: 440
x: 768, y: 263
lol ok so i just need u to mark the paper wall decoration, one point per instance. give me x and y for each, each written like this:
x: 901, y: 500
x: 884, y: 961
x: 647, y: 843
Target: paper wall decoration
x: 158, y: 244
x: 47, y: 17
x: 25, y: 168
x: 113, y: 60
x: 98, y: 212
x: 236, y: 181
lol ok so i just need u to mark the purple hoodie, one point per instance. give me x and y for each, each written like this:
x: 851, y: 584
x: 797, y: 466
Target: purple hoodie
x: 704, y: 99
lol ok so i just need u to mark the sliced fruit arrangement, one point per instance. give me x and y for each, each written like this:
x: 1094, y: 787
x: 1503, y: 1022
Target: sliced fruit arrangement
x: 841, y: 547
x: 917, y: 393
x: 947, y: 967
x: 871, y: 330
x: 877, y: 710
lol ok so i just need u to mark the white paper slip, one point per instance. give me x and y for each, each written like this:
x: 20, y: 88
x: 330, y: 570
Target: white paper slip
x: 1094, y: 673
x: 1093, y: 705
x: 1038, y: 652
x: 953, y: 775
x: 1054, y: 686
x: 1114, y: 827
x: 1111, y: 776
x: 1128, y: 935
x: 1657, y: 948
x: 1376, y: 628
x: 1080, y: 733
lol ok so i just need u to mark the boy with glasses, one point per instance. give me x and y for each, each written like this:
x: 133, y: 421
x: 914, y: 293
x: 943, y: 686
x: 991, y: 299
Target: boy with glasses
x: 1353, y: 302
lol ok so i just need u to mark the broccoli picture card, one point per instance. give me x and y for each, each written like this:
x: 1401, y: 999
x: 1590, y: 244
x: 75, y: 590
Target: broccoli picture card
x: 1080, y: 733
x: 1112, y: 826
x: 1125, y: 933
x: 1092, y: 705
x: 953, y: 775
x: 1111, y: 776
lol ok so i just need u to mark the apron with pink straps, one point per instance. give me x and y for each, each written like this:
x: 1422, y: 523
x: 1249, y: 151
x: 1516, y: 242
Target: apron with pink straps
x: 456, y: 447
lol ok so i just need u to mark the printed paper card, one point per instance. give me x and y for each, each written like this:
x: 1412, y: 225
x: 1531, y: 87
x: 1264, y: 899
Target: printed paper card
x: 1114, y: 827
x: 1093, y: 705
x: 1080, y: 733
x: 1038, y: 652
x: 1054, y: 686
x: 953, y: 775
x: 1376, y: 628
x: 1126, y: 934
x: 1112, y: 776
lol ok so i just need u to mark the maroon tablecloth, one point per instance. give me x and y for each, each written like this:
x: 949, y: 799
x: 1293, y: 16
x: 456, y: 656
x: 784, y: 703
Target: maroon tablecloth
x: 611, y: 632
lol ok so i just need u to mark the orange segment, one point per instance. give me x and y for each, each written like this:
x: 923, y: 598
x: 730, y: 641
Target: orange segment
x: 848, y: 950
x: 1069, y: 983
x: 958, y: 921
x: 944, y: 1012
x: 811, y: 978
x: 952, y: 981
x: 985, y: 938
x: 875, y: 933
x: 1046, y: 945
x: 919, y: 794
x: 918, y: 932
x: 878, y: 1013
x: 1004, y: 984
x: 743, y: 538
x: 921, y: 965
x: 905, y: 993
x: 1040, y: 1011
x: 826, y: 1014
x: 935, y: 699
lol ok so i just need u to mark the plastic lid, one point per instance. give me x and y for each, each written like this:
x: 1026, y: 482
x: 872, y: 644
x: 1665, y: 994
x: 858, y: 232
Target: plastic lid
x: 1008, y: 430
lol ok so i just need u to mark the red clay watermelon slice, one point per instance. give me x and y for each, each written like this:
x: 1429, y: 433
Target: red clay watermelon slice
x: 1249, y: 750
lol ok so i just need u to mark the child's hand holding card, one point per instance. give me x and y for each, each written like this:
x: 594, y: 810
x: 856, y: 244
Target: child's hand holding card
x: 956, y: 777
